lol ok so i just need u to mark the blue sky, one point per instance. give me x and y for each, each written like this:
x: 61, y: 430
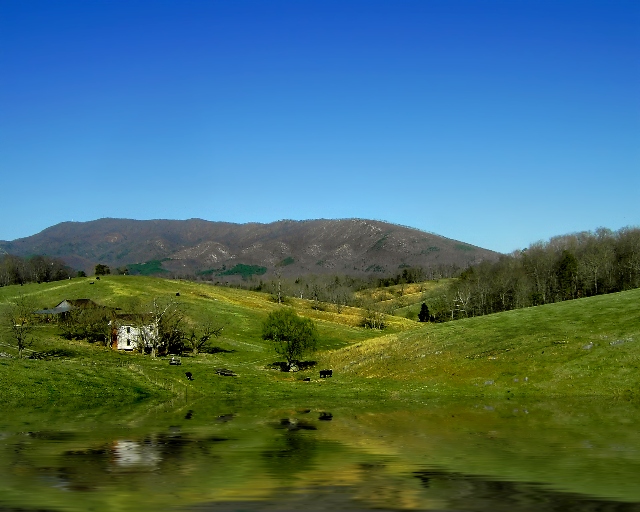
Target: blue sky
x: 498, y: 123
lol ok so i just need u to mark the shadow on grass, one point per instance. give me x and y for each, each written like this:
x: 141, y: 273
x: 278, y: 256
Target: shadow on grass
x: 216, y: 350
x: 284, y: 366
x: 55, y: 353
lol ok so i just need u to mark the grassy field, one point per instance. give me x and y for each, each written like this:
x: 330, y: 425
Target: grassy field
x: 82, y: 372
x: 404, y: 300
x: 583, y: 347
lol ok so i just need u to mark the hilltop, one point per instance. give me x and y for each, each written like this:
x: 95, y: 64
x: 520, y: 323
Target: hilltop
x: 293, y: 248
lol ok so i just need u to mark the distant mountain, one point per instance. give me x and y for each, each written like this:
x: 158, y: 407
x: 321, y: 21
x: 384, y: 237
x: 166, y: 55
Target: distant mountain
x: 348, y: 246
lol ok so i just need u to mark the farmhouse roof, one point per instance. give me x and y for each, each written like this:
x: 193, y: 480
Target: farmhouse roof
x: 79, y: 303
x: 67, y: 305
x: 54, y: 311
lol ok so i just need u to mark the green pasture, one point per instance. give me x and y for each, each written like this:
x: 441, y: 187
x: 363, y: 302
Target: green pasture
x: 76, y: 371
x: 583, y: 347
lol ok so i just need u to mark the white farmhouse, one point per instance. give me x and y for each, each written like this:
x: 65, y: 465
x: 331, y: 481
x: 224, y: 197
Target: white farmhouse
x: 128, y: 336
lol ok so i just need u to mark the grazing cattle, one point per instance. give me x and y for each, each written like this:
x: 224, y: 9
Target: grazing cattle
x: 177, y: 294
x: 326, y: 373
x: 307, y: 379
x: 325, y: 416
x: 90, y: 282
x: 189, y: 375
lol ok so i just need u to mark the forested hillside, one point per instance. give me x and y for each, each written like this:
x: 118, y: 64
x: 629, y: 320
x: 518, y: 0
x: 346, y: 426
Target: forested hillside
x: 566, y: 267
x: 36, y: 269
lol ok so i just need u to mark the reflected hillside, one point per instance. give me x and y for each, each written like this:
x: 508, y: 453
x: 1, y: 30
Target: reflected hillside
x: 484, y: 455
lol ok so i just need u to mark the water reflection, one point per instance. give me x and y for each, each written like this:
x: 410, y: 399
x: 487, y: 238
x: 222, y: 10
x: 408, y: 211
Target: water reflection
x: 466, y: 456
x: 290, y: 454
x: 127, y: 454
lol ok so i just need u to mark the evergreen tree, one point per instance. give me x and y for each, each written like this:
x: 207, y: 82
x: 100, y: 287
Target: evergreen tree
x: 566, y: 273
x: 423, y: 316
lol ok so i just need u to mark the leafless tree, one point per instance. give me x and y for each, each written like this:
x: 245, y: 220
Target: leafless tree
x: 196, y: 341
x: 19, y: 319
x: 372, y: 317
x: 160, y: 325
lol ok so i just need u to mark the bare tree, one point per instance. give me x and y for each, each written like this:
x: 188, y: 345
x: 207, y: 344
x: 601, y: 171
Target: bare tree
x: 595, y: 262
x: 147, y: 335
x: 196, y: 341
x: 538, y: 261
x: 19, y: 318
x: 161, y: 325
x: 372, y: 317
x: 279, y: 286
x: 462, y: 299
x: 628, y: 255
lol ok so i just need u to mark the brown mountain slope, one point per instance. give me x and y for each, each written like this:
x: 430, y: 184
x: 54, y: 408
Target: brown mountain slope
x: 348, y: 246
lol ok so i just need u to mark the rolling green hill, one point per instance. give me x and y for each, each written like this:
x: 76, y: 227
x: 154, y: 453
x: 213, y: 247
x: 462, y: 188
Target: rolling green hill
x: 588, y: 346
x: 584, y: 347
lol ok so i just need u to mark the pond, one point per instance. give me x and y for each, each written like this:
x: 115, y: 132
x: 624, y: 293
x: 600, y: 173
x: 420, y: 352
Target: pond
x: 202, y: 456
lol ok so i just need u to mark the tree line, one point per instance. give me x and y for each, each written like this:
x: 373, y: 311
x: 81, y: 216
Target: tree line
x: 35, y: 269
x: 564, y: 268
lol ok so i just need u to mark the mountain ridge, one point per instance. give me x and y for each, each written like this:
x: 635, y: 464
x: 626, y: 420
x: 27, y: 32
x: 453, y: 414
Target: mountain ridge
x: 291, y: 247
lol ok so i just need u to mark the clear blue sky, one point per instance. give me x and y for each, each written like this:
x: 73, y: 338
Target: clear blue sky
x: 498, y: 123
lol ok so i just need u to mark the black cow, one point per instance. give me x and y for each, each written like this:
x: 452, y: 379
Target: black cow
x: 189, y: 375
x: 326, y: 373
